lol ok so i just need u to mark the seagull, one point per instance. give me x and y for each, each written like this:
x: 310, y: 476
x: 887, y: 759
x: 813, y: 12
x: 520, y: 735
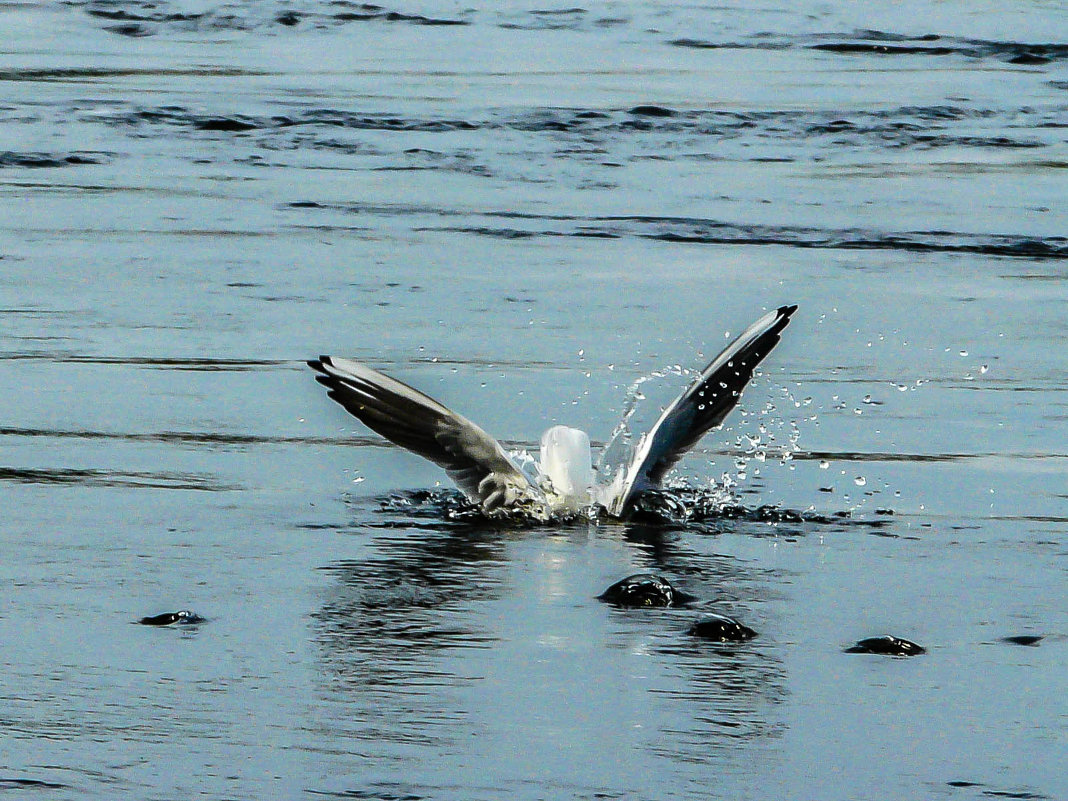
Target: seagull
x: 563, y: 481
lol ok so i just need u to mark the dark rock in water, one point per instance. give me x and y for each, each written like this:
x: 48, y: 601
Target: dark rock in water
x: 887, y: 645
x: 652, y: 111
x: 183, y: 617
x: 644, y: 589
x: 721, y: 628
x: 1023, y: 639
x: 1029, y: 58
x: 225, y: 124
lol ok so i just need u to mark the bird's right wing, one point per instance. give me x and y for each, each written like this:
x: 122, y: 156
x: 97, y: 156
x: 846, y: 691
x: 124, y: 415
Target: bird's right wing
x: 702, y: 407
x: 405, y: 416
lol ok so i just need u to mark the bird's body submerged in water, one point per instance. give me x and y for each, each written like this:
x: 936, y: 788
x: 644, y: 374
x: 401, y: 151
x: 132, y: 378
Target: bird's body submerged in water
x: 564, y: 480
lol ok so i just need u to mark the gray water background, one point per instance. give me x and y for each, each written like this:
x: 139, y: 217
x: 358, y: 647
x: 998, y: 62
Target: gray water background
x: 199, y: 196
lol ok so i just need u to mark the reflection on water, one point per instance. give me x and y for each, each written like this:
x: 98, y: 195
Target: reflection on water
x: 411, y: 635
x: 388, y: 619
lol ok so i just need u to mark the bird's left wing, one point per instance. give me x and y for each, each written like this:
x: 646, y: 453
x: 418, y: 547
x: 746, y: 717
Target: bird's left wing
x: 703, y: 406
x: 405, y: 416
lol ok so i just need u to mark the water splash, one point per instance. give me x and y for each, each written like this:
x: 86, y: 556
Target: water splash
x: 678, y: 505
x: 641, y: 409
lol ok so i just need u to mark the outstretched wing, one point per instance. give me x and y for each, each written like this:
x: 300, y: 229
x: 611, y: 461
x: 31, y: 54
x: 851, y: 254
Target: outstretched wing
x: 703, y: 406
x: 403, y: 415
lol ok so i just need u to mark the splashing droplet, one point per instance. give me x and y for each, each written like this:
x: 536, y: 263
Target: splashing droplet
x: 860, y: 481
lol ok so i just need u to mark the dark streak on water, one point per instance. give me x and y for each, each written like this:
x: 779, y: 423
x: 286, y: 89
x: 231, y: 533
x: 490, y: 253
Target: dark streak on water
x: 882, y: 43
x: 10, y: 783
x: 199, y: 364
x: 44, y: 160
x: 905, y: 127
x: 114, y: 478
x: 713, y: 232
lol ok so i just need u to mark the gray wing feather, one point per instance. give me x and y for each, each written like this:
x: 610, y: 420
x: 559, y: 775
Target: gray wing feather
x: 405, y: 416
x: 703, y: 406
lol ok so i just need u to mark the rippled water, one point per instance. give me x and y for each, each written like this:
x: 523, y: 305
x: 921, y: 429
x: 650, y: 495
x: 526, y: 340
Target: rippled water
x: 523, y: 211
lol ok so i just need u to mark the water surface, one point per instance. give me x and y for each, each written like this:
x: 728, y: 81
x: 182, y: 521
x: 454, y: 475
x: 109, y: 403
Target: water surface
x: 522, y: 211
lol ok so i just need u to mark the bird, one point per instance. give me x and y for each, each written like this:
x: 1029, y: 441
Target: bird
x: 563, y: 481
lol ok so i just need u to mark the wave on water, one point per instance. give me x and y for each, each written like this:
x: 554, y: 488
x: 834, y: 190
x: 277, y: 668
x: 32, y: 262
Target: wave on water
x: 10, y: 158
x: 139, y: 18
x: 898, y: 127
x: 706, y: 231
x: 672, y: 27
x: 883, y: 43
x: 115, y: 478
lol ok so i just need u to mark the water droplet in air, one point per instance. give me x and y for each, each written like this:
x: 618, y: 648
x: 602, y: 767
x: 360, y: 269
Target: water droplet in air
x: 860, y: 481
x: 964, y: 353
x: 824, y: 464
x: 984, y: 368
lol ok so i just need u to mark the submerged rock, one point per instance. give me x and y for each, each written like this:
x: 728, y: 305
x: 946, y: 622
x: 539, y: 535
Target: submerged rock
x: 644, y: 589
x: 1023, y: 639
x: 721, y: 628
x: 887, y: 645
x: 651, y: 111
x: 182, y: 617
